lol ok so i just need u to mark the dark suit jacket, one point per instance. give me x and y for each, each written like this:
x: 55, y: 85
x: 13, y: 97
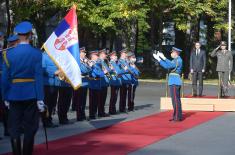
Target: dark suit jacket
x: 198, y: 63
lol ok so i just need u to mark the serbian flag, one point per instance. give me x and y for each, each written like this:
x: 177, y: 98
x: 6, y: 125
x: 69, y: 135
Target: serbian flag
x: 63, y: 48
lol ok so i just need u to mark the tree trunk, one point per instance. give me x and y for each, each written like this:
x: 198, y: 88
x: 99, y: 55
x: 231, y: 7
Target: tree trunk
x: 8, y: 18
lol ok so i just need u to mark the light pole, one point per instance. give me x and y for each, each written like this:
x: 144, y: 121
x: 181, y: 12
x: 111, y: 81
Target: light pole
x: 229, y: 24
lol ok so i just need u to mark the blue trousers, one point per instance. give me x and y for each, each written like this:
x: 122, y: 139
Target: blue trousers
x: 176, y: 102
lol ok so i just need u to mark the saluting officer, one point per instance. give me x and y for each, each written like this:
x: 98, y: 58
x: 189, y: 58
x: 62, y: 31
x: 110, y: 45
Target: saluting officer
x: 224, y: 66
x: 51, y: 87
x: 22, y: 83
x: 115, y: 82
x: 94, y: 85
x: 104, y: 82
x: 174, y: 80
x: 80, y: 95
x: 12, y: 41
x: 135, y: 73
x: 126, y: 80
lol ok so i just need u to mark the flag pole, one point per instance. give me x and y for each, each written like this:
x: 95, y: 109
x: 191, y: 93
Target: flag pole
x: 229, y: 24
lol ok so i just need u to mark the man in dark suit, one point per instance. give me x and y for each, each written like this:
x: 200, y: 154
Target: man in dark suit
x: 197, y: 67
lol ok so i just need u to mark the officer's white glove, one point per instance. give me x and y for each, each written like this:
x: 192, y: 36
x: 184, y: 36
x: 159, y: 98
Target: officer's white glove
x: 41, y: 106
x: 7, y: 104
x: 161, y: 55
x: 203, y: 71
x: 156, y: 56
x: 191, y: 70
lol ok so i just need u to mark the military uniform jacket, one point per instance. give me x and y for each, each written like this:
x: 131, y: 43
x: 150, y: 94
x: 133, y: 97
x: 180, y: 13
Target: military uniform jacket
x: 105, y: 79
x: 86, y: 71
x: 126, y: 76
x: 49, y: 69
x: 95, y: 76
x: 176, y: 68
x: 224, y: 60
x: 22, y: 77
x: 116, y: 74
x: 134, y: 78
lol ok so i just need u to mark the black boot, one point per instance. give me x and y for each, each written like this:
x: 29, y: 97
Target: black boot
x: 28, y: 146
x: 16, y: 146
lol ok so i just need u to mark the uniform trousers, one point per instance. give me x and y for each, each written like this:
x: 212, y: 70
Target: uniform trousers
x: 176, y: 102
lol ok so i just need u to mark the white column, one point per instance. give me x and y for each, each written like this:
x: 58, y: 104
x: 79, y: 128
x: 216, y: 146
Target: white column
x: 229, y: 24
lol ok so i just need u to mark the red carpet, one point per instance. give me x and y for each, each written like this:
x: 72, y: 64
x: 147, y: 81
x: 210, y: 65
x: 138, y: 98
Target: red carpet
x: 210, y: 97
x: 123, y: 138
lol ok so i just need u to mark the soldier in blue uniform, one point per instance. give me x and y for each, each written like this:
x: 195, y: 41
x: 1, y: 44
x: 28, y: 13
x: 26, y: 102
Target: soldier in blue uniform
x: 51, y: 87
x: 135, y: 73
x: 115, y: 81
x: 95, y: 85
x: 126, y: 80
x: 2, y: 107
x: 80, y: 95
x: 104, y: 82
x: 22, y: 86
x: 174, y: 80
x: 12, y: 41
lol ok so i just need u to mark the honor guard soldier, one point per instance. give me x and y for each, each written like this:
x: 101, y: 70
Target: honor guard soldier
x: 126, y: 80
x: 12, y: 41
x: 135, y: 73
x: 22, y: 84
x: 115, y: 81
x: 94, y: 85
x: 51, y: 87
x: 2, y: 107
x: 80, y: 95
x: 224, y: 66
x: 104, y: 82
x: 174, y: 80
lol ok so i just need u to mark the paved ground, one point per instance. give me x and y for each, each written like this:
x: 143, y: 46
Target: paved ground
x: 213, y: 138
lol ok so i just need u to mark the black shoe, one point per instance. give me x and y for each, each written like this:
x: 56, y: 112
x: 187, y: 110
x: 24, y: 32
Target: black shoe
x: 80, y: 119
x: 65, y: 122
x: 28, y: 146
x: 51, y: 125
x: 113, y: 113
x: 16, y: 146
x: 123, y: 111
x: 194, y: 95
x: 171, y: 120
x: 103, y: 115
x: 91, y: 118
